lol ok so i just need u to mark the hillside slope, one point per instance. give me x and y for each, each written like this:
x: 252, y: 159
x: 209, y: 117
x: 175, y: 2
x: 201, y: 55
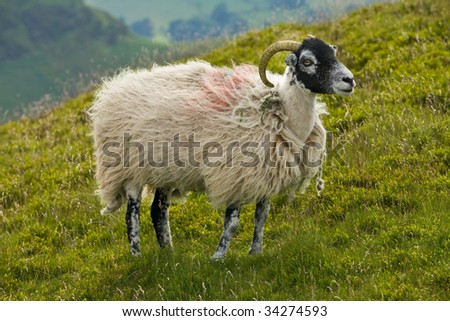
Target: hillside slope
x: 379, y: 231
x: 52, y: 48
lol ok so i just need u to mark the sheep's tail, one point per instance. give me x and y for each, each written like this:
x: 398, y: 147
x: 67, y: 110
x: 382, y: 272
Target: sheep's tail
x: 110, y: 187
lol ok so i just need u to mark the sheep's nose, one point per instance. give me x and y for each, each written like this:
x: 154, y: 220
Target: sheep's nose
x: 348, y: 80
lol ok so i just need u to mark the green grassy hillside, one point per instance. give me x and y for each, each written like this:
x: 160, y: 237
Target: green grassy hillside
x: 379, y: 231
x: 55, y: 49
x: 48, y: 47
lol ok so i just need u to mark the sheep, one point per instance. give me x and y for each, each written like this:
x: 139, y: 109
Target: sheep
x: 228, y: 132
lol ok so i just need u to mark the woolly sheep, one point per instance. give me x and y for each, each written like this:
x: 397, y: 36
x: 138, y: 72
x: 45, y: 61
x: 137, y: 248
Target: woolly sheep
x: 228, y: 132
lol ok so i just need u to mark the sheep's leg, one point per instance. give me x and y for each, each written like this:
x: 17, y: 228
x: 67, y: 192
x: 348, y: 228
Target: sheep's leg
x: 261, y: 213
x: 232, y: 215
x: 132, y: 218
x: 160, y: 216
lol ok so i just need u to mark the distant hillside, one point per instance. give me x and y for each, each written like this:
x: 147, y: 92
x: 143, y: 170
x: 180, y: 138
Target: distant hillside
x: 50, y: 47
x: 186, y: 20
x: 379, y: 230
x: 31, y: 25
x: 51, y: 50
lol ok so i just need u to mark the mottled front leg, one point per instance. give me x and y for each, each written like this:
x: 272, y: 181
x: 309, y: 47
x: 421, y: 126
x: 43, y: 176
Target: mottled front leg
x: 160, y: 216
x: 261, y: 213
x: 132, y: 218
x: 232, y: 214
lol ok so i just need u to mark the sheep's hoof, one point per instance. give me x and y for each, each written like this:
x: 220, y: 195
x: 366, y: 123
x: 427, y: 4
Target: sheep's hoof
x: 255, y: 251
x: 217, y: 256
x: 165, y: 241
x: 167, y: 247
x: 135, y: 252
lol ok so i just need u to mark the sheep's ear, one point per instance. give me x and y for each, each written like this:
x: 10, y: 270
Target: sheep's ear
x: 291, y: 60
x: 335, y: 48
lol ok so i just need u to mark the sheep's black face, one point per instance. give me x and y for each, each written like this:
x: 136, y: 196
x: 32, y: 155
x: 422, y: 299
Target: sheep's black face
x: 314, y: 66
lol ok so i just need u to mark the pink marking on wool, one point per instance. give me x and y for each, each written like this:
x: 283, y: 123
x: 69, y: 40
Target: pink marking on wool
x: 221, y: 84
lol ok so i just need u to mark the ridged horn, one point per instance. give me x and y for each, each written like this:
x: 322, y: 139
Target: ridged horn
x: 286, y: 45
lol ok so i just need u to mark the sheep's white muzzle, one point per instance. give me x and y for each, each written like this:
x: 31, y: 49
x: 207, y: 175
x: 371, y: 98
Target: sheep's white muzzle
x: 345, y: 90
x: 344, y: 82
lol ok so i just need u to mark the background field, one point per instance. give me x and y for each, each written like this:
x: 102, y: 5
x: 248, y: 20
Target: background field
x: 53, y: 50
x: 257, y: 13
x: 379, y: 231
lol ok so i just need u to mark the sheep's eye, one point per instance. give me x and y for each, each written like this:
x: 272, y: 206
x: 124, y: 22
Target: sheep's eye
x: 307, y: 62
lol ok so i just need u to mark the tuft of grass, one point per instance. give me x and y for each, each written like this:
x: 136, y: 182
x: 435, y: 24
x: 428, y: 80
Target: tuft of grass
x: 379, y: 231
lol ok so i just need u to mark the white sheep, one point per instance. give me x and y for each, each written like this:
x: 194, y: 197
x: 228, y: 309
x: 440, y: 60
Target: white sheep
x: 225, y: 131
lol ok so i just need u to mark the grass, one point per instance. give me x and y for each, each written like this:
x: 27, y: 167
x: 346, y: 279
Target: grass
x: 379, y: 231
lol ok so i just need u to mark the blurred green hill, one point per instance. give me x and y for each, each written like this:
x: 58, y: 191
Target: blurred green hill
x: 53, y: 49
x: 186, y: 20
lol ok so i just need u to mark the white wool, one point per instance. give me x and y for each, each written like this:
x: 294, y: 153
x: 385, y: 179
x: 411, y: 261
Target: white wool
x: 222, y: 105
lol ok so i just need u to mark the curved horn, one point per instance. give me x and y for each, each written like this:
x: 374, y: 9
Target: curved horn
x: 286, y: 45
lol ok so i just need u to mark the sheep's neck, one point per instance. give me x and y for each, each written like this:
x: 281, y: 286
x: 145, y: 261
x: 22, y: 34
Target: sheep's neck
x: 299, y: 107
